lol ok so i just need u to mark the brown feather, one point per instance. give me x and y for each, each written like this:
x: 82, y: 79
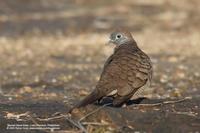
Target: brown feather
x: 126, y: 70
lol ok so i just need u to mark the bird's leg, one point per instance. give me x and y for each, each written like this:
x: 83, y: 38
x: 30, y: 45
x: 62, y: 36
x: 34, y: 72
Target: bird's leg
x: 120, y: 100
x: 99, y: 101
x: 106, y: 100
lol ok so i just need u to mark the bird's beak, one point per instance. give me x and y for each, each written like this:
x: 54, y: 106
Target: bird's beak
x: 110, y: 42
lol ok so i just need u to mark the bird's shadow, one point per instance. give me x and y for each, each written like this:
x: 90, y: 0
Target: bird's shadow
x: 108, y: 100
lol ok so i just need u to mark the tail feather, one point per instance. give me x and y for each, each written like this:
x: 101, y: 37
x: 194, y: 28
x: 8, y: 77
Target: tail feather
x: 92, y: 97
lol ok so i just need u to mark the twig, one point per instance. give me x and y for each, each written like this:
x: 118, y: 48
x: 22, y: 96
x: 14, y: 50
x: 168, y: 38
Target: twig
x: 82, y: 127
x: 33, y: 120
x: 27, y: 117
x: 193, y: 114
x: 186, y: 113
x: 80, y: 123
x: 165, y: 102
x: 94, y: 123
x: 67, y: 131
x: 87, y: 115
x: 76, y: 124
x: 17, y: 117
x: 52, y: 118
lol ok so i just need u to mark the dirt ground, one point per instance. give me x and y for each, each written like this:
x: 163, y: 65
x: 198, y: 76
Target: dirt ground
x: 52, y: 54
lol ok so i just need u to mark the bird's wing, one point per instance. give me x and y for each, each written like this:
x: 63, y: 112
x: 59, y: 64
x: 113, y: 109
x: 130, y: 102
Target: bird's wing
x: 108, y: 61
x: 126, y: 73
x: 136, y: 71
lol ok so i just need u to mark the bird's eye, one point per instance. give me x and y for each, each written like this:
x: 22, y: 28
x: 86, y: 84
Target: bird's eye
x: 118, y: 36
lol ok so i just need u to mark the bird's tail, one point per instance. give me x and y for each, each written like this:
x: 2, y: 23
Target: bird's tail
x: 92, y: 97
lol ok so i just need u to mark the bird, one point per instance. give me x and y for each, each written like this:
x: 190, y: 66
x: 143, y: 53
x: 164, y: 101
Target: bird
x: 126, y: 71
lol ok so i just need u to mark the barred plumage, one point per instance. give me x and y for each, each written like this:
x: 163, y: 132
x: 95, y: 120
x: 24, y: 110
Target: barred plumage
x: 126, y: 70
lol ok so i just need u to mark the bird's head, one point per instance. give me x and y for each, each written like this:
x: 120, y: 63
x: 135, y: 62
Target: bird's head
x: 120, y: 37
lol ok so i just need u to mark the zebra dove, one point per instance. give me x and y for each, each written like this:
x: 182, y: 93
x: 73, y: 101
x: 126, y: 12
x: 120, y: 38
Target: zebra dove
x: 126, y: 71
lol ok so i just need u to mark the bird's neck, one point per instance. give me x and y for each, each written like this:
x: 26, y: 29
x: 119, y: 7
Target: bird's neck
x: 127, y: 46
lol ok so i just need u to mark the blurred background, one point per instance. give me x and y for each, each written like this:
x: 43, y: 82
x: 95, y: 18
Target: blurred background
x: 55, y: 49
x: 48, y: 47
